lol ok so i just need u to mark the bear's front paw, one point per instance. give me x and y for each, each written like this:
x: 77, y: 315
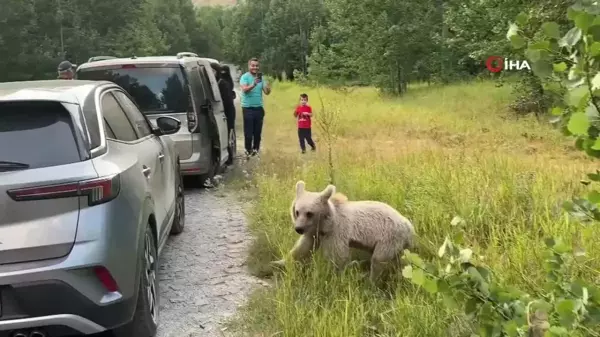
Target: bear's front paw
x: 278, y: 264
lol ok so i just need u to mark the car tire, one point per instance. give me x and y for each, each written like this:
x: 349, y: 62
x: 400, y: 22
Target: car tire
x: 232, y: 148
x: 179, y: 218
x: 145, y: 317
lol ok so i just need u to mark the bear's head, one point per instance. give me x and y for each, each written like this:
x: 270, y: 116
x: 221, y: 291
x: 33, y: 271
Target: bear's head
x: 310, y: 209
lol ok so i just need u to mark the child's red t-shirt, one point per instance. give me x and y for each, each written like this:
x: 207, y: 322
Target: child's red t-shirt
x: 304, y: 122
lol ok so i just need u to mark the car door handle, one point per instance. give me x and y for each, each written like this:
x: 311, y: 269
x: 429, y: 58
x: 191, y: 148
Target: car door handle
x: 161, y: 156
x: 146, y: 171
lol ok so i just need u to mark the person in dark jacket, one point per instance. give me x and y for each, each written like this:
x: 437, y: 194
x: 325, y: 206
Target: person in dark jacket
x: 225, y: 82
x: 66, y: 70
x: 226, y: 89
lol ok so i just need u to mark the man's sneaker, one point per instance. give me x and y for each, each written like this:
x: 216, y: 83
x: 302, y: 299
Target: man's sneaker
x: 303, y: 151
x: 254, y: 153
x: 313, y: 149
x: 247, y: 154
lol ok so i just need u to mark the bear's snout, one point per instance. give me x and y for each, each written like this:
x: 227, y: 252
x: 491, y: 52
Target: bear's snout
x: 299, y: 230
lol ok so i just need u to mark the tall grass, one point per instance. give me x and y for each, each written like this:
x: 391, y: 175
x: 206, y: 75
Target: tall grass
x: 434, y: 154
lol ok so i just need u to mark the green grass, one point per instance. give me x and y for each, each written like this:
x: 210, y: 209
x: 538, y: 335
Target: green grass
x: 433, y: 154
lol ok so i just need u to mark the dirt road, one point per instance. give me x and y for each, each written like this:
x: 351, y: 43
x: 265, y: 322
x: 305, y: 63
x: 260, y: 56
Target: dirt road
x: 203, y: 279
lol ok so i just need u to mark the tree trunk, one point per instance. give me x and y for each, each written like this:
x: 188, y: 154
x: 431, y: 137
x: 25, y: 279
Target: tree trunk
x: 443, y: 53
x: 401, y: 79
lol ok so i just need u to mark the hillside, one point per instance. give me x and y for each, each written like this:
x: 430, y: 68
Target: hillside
x: 214, y: 2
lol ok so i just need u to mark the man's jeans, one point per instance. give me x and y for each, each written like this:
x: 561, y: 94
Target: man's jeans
x: 253, y: 122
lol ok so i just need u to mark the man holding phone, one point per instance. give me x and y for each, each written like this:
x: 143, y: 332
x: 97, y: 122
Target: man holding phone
x: 253, y: 86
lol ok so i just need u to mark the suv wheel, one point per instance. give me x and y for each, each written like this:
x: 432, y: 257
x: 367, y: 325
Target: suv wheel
x: 232, y: 148
x: 145, y: 318
x: 179, y: 219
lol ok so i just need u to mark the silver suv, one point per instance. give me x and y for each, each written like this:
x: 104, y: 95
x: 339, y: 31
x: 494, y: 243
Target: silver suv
x: 182, y: 86
x: 89, y: 192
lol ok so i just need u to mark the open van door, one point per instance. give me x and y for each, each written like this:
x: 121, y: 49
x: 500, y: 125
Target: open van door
x: 217, y: 109
x: 201, y: 127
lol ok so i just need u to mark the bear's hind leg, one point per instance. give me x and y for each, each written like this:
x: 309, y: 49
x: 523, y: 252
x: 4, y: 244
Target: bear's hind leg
x: 383, y: 255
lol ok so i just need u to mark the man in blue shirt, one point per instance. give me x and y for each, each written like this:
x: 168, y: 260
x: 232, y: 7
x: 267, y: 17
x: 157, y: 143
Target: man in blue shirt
x: 253, y: 86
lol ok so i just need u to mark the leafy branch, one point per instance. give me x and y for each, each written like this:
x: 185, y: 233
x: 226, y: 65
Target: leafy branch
x: 328, y: 123
x: 567, y: 306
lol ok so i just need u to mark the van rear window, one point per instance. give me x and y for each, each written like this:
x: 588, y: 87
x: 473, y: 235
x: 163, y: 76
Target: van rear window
x: 37, y: 134
x: 154, y: 89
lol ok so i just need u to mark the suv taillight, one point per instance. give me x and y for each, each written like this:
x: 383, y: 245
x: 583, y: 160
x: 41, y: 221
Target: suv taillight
x: 191, y: 113
x: 98, y: 191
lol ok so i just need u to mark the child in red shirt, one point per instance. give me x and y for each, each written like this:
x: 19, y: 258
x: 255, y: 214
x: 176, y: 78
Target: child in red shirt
x: 304, y: 113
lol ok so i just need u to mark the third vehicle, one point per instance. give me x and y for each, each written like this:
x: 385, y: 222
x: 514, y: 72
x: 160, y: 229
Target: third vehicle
x: 181, y: 86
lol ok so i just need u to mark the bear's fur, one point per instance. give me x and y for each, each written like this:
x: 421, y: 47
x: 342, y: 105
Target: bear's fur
x: 328, y: 220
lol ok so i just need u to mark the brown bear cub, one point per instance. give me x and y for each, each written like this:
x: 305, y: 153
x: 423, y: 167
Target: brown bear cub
x: 328, y: 220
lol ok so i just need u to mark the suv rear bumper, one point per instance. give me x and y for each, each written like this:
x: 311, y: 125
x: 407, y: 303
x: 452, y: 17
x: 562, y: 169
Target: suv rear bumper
x: 65, y: 295
x: 193, y: 165
x: 56, y: 325
x: 59, y: 309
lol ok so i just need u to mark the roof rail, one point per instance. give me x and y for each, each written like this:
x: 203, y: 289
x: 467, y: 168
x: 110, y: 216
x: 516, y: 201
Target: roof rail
x: 186, y: 54
x: 100, y: 58
x: 211, y: 60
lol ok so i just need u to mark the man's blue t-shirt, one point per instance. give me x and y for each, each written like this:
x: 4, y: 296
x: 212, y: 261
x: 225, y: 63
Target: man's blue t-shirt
x: 254, y: 97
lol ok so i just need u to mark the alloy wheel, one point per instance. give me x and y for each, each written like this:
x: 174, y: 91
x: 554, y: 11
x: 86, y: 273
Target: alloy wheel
x: 150, y: 275
x: 180, y: 202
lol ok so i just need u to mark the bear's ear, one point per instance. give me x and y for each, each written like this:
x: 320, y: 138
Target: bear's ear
x: 299, y: 188
x: 328, y: 192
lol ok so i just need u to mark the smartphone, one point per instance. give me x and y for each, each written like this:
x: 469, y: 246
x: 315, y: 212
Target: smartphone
x: 259, y: 76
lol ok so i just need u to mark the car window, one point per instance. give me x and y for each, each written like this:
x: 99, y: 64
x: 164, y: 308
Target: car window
x: 198, y: 87
x: 154, y: 89
x: 206, y: 83
x: 137, y: 118
x: 108, y: 131
x: 38, y: 134
x: 116, y: 119
x: 215, y: 89
x: 91, y: 121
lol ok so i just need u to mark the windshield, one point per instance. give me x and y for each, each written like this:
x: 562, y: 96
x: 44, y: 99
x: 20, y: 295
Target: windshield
x: 155, y: 90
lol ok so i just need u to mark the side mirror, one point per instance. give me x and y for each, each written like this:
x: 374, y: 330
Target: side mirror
x: 168, y: 125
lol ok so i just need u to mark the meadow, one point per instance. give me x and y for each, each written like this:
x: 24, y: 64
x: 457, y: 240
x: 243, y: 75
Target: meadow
x: 436, y: 153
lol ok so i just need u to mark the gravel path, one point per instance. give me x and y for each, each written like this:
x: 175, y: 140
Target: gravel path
x: 203, y: 278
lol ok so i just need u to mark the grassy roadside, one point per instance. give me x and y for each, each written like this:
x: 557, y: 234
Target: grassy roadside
x: 437, y: 153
